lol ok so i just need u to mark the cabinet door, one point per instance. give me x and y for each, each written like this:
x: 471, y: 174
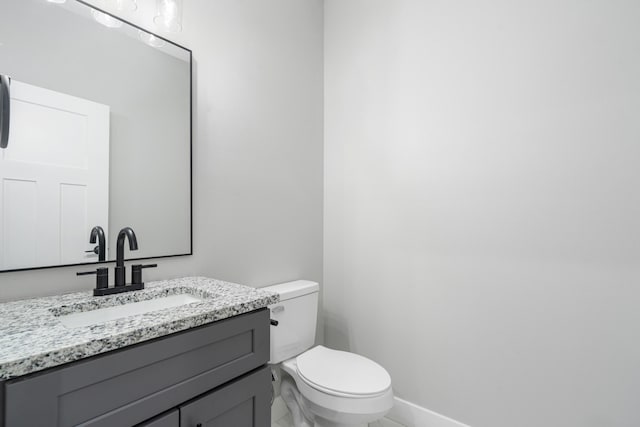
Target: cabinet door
x: 170, y: 419
x: 245, y: 402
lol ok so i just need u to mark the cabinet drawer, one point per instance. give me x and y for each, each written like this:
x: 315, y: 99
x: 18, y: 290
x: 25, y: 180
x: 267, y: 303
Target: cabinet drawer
x: 129, y: 386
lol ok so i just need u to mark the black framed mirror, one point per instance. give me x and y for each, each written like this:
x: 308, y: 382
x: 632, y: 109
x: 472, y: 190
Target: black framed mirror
x: 100, y: 134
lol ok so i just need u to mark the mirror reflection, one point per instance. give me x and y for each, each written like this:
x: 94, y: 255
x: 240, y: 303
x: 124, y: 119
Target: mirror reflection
x: 99, y: 137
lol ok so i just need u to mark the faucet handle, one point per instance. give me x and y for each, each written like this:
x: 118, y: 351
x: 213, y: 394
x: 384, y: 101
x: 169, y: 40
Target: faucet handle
x: 136, y: 273
x: 102, y: 277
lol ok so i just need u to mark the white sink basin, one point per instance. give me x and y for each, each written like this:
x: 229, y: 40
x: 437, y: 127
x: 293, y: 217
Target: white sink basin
x: 94, y: 317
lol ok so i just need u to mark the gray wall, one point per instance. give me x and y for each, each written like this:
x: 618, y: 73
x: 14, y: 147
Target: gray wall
x: 257, y: 148
x: 482, y: 223
x: 148, y: 93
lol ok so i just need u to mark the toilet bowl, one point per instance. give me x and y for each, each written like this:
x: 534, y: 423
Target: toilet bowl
x: 338, y: 388
x: 323, y: 387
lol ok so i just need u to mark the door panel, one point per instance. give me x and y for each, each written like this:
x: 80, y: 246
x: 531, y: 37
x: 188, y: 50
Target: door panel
x: 20, y: 213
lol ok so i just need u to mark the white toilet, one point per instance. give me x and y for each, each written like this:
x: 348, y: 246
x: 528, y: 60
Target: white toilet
x: 327, y: 388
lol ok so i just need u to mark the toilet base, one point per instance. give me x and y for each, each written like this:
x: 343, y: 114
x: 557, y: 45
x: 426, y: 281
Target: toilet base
x: 307, y: 414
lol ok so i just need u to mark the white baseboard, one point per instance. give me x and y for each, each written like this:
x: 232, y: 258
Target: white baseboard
x: 411, y: 415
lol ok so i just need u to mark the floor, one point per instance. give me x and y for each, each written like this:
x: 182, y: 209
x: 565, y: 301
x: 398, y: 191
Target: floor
x: 283, y: 417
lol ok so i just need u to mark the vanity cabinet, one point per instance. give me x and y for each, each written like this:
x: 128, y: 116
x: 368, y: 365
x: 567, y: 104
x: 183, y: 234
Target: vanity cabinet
x: 213, y: 375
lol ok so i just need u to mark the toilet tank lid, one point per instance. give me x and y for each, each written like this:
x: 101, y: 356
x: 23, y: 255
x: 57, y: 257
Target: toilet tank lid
x: 294, y: 289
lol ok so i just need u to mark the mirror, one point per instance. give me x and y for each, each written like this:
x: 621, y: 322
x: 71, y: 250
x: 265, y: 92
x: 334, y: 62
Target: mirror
x: 99, y: 135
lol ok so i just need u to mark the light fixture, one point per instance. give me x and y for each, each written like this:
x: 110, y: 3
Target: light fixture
x: 150, y: 39
x: 57, y: 1
x: 106, y: 20
x: 169, y: 15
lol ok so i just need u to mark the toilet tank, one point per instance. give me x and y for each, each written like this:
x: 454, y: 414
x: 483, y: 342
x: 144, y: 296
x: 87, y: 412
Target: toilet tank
x: 296, y: 314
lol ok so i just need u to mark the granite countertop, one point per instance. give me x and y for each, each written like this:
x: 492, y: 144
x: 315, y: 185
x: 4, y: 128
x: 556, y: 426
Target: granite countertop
x: 33, y: 338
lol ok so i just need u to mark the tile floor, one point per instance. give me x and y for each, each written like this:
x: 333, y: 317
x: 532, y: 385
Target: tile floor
x: 284, y: 419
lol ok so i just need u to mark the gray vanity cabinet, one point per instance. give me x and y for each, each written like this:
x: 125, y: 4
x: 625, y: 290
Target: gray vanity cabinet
x: 214, y: 372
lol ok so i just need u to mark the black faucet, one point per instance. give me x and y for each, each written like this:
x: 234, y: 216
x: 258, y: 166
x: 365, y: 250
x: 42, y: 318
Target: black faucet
x: 102, y: 280
x: 133, y: 245
x: 98, y: 233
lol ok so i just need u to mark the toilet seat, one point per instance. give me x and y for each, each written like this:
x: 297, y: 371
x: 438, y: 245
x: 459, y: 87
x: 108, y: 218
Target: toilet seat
x: 342, y: 374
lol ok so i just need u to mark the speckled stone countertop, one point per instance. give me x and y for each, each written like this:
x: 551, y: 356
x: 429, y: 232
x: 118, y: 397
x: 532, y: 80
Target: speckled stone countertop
x: 32, y: 337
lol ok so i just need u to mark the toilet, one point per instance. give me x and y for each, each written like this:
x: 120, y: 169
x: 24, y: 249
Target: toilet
x: 324, y: 387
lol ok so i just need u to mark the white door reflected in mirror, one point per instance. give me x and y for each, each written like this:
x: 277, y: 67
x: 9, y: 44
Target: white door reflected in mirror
x: 55, y: 178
